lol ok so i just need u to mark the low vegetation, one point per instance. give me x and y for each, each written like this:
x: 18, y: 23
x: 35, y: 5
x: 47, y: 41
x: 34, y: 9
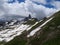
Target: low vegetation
x: 48, y: 35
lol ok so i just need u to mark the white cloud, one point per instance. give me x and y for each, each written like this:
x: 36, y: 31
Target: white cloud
x: 24, y: 9
x: 39, y: 11
x: 2, y: 11
x: 50, y: 11
x: 40, y: 1
x: 56, y: 4
x: 17, y: 8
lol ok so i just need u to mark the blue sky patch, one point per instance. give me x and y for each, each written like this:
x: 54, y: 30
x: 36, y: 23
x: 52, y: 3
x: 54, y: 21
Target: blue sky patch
x: 48, y: 1
x: 57, y: 0
x: 17, y: 0
x: 47, y: 5
x: 21, y: 1
x: 11, y: 1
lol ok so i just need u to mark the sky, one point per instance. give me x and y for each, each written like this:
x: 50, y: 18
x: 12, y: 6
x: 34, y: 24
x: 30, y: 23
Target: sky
x: 37, y: 8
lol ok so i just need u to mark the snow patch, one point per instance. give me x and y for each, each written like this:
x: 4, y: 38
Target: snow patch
x: 38, y: 28
x: 9, y: 34
x: 32, y: 26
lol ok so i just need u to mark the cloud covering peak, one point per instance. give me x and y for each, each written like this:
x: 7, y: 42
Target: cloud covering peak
x: 36, y: 8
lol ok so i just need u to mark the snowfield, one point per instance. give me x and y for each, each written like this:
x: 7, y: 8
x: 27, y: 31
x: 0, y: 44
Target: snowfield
x: 9, y: 34
x: 38, y: 28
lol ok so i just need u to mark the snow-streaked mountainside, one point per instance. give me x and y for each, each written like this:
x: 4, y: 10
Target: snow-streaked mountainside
x: 31, y: 31
x: 38, y: 28
x: 9, y: 34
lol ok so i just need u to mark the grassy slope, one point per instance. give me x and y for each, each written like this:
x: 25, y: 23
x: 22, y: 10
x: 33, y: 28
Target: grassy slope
x: 50, y: 33
x: 18, y: 40
x: 56, y: 40
x: 21, y: 38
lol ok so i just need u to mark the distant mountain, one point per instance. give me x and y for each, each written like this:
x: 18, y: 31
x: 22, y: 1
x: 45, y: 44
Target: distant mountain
x: 33, y: 32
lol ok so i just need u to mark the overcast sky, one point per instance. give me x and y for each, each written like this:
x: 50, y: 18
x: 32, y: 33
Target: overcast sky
x: 37, y: 8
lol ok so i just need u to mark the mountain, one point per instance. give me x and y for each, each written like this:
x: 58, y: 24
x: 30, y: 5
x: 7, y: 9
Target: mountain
x: 33, y: 32
x: 50, y: 33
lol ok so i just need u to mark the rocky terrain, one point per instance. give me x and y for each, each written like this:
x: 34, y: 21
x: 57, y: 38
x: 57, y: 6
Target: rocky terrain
x: 32, y: 32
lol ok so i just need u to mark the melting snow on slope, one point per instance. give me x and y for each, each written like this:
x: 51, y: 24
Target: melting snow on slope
x: 8, y: 34
x: 38, y: 28
x: 34, y: 25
